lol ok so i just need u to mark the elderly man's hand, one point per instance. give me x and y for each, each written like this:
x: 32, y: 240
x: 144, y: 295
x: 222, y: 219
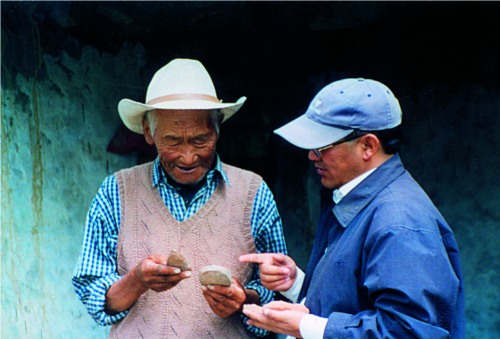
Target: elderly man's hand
x: 226, y: 301
x: 277, y: 316
x: 153, y: 273
x: 277, y: 271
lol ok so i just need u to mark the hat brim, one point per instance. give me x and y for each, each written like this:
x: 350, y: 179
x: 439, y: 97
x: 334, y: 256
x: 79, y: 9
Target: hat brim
x: 131, y: 112
x: 308, y: 134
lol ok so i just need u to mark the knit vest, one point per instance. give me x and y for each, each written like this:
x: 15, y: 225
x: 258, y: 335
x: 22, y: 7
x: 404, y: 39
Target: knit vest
x: 217, y: 234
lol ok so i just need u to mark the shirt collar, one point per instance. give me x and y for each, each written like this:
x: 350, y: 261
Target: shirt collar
x: 338, y: 194
x: 159, y: 175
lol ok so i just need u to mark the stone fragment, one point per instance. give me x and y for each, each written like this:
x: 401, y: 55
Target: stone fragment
x: 215, y: 275
x: 175, y: 259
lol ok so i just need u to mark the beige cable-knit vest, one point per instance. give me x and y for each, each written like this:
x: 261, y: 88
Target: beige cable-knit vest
x: 217, y: 234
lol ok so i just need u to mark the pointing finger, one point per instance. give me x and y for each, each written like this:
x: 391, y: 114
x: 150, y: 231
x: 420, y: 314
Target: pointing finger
x: 257, y: 258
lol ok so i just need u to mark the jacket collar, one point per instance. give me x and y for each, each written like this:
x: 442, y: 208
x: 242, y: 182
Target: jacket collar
x: 351, y: 205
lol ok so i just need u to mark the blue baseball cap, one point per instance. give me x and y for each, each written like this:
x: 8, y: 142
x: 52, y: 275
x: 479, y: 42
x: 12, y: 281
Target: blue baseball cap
x: 340, y: 108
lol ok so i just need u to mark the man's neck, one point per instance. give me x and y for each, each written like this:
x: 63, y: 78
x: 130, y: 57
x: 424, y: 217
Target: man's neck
x: 186, y: 191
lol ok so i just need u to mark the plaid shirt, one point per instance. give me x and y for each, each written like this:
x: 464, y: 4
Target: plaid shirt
x: 96, y: 269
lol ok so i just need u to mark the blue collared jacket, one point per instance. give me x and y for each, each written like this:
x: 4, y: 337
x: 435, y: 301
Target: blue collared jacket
x: 385, y: 264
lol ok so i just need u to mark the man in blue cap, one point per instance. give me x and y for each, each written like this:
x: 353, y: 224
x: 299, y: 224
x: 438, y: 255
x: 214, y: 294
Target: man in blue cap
x: 384, y: 264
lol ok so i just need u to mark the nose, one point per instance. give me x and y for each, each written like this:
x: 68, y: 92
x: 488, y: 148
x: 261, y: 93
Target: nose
x: 189, y: 155
x: 313, y: 156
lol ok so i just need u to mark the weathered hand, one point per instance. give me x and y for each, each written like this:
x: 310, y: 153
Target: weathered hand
x: 277, y: 271
x: 153, y: 273
x: 277, y: 316
x: 225, y: 301
x: 150, y: 273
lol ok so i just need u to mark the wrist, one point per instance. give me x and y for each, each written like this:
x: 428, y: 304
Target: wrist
x: 293, y: 292
x: 123, y: 293
x: 133, y: 281
x: 251, y: 297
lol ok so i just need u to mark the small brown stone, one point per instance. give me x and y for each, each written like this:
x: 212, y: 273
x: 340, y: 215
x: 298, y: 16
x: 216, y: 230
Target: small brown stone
x: 175, y: 259
x: 215, y: 275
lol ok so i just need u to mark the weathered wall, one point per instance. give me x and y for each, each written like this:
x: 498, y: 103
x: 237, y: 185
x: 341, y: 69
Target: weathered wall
x: 66, y: 65
x: 58, y: 114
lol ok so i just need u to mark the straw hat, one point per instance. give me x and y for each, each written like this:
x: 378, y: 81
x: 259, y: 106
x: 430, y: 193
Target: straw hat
x: 182, y: 84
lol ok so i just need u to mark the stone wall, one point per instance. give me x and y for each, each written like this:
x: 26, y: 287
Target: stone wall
x: 65, y: 66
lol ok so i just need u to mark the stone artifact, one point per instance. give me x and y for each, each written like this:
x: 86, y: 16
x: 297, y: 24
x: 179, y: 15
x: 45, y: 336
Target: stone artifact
x: 175, y: 259
x: 215, y: 275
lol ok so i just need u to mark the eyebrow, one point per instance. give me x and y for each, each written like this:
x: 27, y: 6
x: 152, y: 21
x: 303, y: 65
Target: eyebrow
x: 176, y: 136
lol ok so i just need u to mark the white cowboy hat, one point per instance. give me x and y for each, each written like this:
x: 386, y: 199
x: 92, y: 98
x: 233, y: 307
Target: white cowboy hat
x: 181, y: 84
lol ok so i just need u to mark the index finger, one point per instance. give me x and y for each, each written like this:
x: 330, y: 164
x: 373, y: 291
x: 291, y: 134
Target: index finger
x: 280, y: 306
x: 257, y: 258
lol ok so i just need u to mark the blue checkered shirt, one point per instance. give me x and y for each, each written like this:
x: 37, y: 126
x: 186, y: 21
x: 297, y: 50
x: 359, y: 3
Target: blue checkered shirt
x: 96, y: 269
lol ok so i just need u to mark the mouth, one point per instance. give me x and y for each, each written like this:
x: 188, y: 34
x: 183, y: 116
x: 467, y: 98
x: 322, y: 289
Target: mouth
x: 187, y: 170
x: 320, y: 170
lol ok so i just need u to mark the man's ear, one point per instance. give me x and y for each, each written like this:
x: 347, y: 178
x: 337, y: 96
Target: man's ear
x: 371, y: 145
x: 147, y: 131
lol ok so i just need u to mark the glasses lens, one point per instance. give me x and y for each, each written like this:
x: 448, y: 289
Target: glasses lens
x: 354, y: 135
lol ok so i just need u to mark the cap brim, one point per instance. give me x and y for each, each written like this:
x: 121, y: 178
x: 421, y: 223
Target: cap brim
x: 131, y: 112
x: 308, y: 134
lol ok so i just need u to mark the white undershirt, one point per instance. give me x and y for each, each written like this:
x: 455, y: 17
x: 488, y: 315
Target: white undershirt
x: 338, y: 194
x: 312, y: 326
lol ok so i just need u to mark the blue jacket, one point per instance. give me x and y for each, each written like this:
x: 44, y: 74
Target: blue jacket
x: 385, y: 263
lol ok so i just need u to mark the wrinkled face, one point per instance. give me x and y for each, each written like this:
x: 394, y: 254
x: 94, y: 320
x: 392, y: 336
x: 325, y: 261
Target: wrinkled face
x: 186, y: 142
x: 339, y: 164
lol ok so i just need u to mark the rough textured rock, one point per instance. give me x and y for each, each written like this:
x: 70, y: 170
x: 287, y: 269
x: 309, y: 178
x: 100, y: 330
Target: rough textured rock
x: 175, y: 259
x: 215, y: 275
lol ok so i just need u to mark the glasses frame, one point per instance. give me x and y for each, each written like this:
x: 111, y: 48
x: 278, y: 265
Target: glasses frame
x: 351, y: 136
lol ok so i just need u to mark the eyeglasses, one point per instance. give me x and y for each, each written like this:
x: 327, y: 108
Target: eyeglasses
x: 354, y: 135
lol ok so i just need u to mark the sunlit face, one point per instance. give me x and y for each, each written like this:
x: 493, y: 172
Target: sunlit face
x: 339, y: 164
x: 186, y: 142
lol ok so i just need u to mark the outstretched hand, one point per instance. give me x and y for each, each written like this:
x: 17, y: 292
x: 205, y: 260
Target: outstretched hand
x: 277, y: 271
x: 277, y: 316
x: 153, y: 273
x: 225, y: 300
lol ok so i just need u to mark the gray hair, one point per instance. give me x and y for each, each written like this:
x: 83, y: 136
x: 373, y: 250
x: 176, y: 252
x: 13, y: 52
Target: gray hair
x: 151, y: 119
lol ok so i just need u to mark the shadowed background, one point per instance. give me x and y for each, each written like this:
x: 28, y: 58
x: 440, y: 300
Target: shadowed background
x: 65, y: 66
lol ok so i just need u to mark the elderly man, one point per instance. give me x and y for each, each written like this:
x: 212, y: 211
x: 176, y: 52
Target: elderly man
x: 187, y: 200
x: 384, y: 263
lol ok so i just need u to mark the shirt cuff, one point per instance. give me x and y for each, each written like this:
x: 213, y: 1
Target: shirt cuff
x: 312, y: 326
x: 95, y: 300
x: 293, y: 292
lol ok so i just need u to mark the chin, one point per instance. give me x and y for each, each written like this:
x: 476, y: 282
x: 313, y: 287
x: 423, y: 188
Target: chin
x: 326, y: 183
x: 191, y: 179
x: 329, y: 185
x: 187, y: 181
